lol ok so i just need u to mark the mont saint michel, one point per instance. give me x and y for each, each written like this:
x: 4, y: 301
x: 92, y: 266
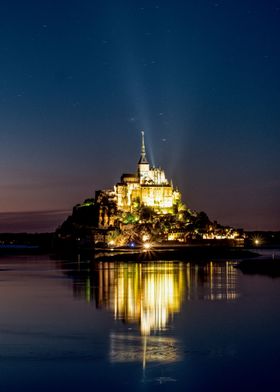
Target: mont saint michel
x: 139, y: 196
x: 143, y: 207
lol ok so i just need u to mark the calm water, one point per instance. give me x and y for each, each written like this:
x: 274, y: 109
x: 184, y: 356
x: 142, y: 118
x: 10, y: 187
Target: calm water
x: 72, y: 325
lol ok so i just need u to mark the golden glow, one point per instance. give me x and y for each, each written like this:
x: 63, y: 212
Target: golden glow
x: 257, y: 240
x: 151, y: 294
x: 149, y: 186
x: 148, y: 294
x: 146, y: 297
x: 145, y: 237
x: 147, y: 245
x: 161, y: 298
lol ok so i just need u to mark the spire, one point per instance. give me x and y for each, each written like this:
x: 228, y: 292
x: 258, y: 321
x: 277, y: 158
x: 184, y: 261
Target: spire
x: 143, y: 158
x: 143, y: 149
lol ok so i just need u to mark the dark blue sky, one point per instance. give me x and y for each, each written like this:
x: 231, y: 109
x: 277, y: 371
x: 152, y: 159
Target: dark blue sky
x: 79, y: 79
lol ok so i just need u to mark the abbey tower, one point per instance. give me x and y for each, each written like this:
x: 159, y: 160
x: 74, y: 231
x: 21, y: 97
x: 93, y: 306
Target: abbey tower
x: 148, y: 187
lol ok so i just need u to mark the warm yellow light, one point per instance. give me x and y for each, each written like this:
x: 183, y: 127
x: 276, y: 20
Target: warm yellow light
x: 257, y: 240
x: 145, y: 237
x: 147, y: 245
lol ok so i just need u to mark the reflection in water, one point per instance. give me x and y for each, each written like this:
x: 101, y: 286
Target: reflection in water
x: 149, y: 295
x: 133, y: 348
x: 146, y: 294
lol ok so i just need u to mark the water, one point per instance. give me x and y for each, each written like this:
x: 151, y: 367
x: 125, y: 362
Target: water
x: 71, y: 325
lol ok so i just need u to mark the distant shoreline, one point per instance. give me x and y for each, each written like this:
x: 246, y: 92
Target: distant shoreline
x: 180, y: 254
x: 46, y: 243
x: 183, y: 253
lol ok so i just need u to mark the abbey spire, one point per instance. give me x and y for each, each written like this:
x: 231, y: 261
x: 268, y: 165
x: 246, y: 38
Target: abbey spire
x: 143, y: 158
x: 147, y: 187
x: 143, y: 164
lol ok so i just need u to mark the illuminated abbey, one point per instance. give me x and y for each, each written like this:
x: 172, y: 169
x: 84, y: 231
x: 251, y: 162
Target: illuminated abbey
x: 143, y: 206
x: 148, y: 186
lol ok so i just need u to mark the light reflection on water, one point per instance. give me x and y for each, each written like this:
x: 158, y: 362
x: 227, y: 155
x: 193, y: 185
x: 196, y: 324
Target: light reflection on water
x: 149, y: 296
x: 135, y: 326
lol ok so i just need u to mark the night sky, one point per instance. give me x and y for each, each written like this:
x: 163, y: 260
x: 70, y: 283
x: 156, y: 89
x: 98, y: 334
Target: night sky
x: 79, y: 79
